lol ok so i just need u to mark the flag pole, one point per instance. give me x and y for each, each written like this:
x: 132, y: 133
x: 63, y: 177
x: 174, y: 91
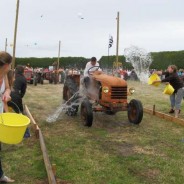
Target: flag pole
x: 110, y: 45
x: 117, y: 43
x: 108, y: 54
x: 58, y: 55
x: 15, y: 35
x: 5, y: 45
x: 57, y: 68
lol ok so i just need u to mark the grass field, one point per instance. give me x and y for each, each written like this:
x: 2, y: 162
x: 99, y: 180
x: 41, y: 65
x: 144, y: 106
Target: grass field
x: 112, y: 151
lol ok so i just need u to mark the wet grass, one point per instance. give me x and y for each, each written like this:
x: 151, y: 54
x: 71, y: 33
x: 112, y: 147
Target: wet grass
x: 112, y: 151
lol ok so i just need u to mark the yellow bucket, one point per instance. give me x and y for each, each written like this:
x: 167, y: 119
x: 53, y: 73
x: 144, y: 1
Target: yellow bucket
x: 152, y: 78
x: 168, y: 90
x: 12, y: 127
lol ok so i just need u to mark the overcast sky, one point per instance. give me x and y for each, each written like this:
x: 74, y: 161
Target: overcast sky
x: 84, y: 26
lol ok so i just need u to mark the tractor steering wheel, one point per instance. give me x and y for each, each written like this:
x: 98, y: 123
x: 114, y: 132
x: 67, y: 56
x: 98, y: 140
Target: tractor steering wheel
x: 90, y: 72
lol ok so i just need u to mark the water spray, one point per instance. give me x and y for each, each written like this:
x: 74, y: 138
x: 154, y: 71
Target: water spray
x: 69, y: 106
x: 140, y: 60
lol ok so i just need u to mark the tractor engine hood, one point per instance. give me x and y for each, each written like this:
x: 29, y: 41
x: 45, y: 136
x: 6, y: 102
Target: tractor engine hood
x: 109, y: 79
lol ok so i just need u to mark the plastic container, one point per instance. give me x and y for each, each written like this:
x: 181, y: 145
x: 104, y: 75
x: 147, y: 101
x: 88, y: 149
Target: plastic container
x: 12, y: 127
x: 169, y: 90
x: 152, y: 78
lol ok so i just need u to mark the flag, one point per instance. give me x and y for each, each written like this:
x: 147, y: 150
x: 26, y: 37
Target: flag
x: 110, y: 41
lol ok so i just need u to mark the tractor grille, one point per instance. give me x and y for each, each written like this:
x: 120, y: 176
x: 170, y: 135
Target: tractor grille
x: 119, y: 92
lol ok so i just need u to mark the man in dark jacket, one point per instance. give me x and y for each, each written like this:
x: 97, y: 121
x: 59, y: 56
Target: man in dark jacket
x: 18, y: 92
x: 19, y: 88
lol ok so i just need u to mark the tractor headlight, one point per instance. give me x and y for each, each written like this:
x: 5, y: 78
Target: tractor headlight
x: 131, y: 90
x: 105, y: 89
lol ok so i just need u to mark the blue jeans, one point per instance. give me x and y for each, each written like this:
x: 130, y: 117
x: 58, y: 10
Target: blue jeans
x: 176, y: 99
x: 27, y: 133
x: 1, y: 170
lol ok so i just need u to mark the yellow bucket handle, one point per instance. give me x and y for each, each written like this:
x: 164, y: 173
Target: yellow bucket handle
x: 16, y: 107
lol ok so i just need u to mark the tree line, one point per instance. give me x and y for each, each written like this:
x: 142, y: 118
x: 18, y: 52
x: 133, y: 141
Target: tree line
x: 160, y: 61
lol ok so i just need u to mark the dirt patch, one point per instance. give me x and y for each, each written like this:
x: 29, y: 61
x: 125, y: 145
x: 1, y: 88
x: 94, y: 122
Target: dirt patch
x: 59, y: 181
x: 109, y: 122
x: 41, y: 182
x: 126, y: 150
x: 123, y: 149
x: 149, y: 175
x: 146, y: 151
x: 62, y: 182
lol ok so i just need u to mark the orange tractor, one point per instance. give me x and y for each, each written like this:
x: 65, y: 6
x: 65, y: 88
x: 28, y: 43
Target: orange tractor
x: 106, y: 93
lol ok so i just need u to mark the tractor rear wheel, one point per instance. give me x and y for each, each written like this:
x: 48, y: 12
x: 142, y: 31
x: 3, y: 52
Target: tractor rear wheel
x: 86, y: 113
x: 69, y: 91
x: 135, y: 111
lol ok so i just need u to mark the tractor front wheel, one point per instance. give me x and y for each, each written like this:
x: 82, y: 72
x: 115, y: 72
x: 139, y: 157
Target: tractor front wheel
x: 135, y: 111
x: 86, y: 113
